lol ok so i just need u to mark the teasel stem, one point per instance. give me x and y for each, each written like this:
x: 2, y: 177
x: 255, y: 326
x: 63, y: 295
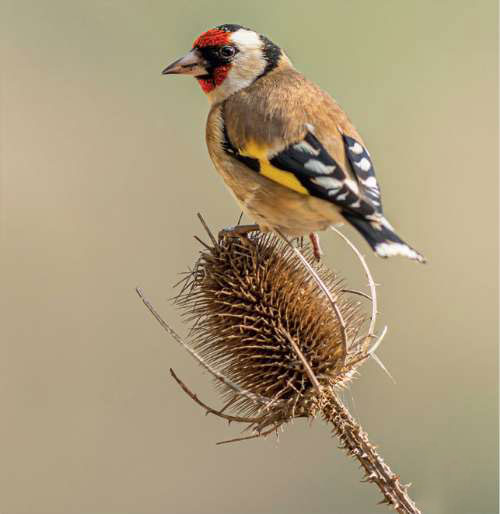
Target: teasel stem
x: 354, y: 440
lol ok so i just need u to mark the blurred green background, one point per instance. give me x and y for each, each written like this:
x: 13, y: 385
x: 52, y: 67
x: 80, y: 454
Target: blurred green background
x: 104, y: 166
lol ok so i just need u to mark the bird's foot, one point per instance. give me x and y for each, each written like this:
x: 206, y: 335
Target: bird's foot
x: 316, y: 247
x: 238, y: 230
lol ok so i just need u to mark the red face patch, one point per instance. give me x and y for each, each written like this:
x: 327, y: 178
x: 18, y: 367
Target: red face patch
x: 213, y: 37
x: 219, y: 75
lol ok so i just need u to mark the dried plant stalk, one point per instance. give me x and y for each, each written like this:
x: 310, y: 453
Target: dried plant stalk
x: 355, y: 442
x: 281, y: 334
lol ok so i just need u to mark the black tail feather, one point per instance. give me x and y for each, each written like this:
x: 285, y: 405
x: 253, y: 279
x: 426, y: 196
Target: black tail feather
x: 381, y: 237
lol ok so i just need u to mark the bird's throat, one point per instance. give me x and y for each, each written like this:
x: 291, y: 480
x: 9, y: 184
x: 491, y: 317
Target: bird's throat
x: 213, y: 79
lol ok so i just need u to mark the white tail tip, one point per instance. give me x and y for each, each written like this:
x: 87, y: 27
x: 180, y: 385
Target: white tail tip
x: 390, y: 249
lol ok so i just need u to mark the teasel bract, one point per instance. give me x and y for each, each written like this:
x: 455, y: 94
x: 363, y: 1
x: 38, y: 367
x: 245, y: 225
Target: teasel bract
x: 281, y: 334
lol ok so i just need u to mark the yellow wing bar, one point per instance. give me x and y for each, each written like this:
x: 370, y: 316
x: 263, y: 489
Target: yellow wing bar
x: 285, y: 178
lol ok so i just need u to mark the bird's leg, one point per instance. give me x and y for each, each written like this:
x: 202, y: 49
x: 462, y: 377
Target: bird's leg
x: 238, y: 230
x: 317, y: 251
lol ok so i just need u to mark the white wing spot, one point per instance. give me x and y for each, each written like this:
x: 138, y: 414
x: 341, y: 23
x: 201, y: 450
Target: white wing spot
x: 318, y: 167
x: 305, y: 147
x: 333, y: 185
x: 370, y: 182
x: 343, y: 196
x: 356, y: 148
x: 352, y: 185
x: 386, y: 224
x: 364, y: 164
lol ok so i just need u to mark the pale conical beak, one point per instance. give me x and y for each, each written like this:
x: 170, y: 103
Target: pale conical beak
x: 190, y: 64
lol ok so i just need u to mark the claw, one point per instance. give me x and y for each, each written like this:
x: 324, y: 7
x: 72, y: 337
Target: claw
x: 238, y: 230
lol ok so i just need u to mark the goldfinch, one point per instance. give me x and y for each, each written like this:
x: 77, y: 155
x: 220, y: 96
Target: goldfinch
x: 285, y: 149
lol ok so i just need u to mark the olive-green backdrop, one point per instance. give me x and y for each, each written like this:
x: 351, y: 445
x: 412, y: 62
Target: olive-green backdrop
x: 103, y: 169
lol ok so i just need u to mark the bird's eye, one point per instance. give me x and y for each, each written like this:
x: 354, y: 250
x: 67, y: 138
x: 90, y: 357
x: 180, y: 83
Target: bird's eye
x: 227, y: 51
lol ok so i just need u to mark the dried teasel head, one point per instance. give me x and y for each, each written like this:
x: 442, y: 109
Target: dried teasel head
x: 260, y: 317
x: 280, y: 333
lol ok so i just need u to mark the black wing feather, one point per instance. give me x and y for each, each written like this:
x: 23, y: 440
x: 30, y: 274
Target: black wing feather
x: 322, y: 175
x: 364, y: 171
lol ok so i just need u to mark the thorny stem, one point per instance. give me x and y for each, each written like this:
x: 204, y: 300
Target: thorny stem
x: 355, y: 442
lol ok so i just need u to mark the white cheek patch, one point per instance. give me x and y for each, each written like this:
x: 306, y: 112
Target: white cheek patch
x: 243, y: 72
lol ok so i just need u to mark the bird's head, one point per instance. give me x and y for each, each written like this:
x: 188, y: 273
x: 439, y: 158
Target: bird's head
x: 228, y: 58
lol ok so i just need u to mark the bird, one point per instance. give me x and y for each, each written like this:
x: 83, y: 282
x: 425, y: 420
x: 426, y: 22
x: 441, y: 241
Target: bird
x: 288, y: 153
